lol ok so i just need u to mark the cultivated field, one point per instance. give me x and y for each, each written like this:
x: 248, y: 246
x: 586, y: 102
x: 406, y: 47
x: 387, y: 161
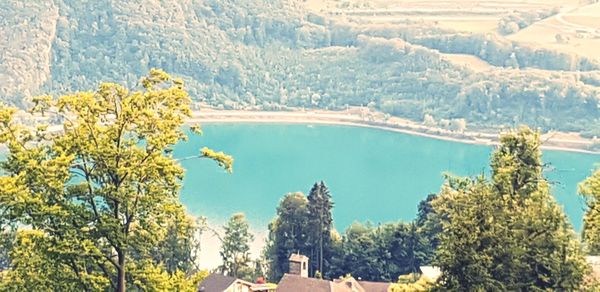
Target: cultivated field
x: 576, y: 30
x: 460, y: 15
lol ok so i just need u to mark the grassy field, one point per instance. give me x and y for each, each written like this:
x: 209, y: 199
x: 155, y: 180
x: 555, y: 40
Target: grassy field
x: 469, y: 61
x: 470, y: 25
x: 460, y: 15
x: 578, y: 29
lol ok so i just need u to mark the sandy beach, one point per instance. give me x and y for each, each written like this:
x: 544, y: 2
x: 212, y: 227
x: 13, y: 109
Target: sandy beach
x: 551, y: 141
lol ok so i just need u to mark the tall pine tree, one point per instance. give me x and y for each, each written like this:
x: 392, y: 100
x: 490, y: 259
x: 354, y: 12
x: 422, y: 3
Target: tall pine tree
x: 428, y: 227
x: 321, y: 221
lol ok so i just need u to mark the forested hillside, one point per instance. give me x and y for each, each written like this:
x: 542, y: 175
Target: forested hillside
x: 276, y: 54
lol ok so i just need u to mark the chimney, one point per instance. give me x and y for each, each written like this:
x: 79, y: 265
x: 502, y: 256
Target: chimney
x: 299, y: 265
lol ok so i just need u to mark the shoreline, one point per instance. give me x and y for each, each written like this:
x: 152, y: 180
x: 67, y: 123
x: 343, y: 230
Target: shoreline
x: 364, y: 118
x: 352, y: 119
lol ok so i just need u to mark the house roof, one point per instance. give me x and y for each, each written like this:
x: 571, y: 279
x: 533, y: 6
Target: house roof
x: 344, y: 287
x: 298, y: 258
x: 364, y: 286
x: 216, y: 283
x: 263, y: 287
x: 295, y: 283
x: 374, y: 286
x: 350, y: 284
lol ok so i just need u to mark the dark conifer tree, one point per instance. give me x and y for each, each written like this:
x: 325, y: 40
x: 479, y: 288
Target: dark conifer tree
x: 320, y: 205
x: 428, y: 227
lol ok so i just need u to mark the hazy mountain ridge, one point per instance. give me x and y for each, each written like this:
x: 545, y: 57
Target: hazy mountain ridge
x: 274, y: 54
x: 26, y: 33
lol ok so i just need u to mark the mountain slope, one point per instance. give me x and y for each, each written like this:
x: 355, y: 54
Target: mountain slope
x: 275, y: 54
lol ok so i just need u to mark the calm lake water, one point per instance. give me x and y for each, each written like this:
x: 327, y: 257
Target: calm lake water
x: 372, y: 174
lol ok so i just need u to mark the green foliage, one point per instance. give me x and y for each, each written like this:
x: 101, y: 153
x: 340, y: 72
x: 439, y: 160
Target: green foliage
x: 380, y: 253
x: 305, y: 225
x: 519, y: 20
x: 222, y: 159
x: 152, y: 277
x: 235, y: 248
x: 36, y: 266
x: 469, y: 244
x: 517, y: 164
x: 590, y: 190
x: 273, y: 55
x: 507, y: 233
x: 361, y: 255
x: 591, y: 284
x: 428, y: 226
x: 8, y: 233
x: 100, y: 196
x: 412, y: 283
x: 177, y: 250
x: 318, y: 275
x: 320, y: 227
x: 288, y: 233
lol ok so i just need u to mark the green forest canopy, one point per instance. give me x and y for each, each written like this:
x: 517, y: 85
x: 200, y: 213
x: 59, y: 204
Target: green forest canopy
x: 275, y: 55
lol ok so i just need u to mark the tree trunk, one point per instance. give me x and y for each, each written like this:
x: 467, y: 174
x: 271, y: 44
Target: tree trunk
x: 321, y: 244
x: 121, y: 272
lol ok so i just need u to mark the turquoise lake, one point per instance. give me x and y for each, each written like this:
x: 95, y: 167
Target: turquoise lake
x: 372, y: 174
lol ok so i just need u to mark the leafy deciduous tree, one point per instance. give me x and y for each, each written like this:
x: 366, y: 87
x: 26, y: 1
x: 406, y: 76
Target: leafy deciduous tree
x: 379, y: 253
x: 235, y: 250
x: 507, y: 233
x: 100, y: 192
x: 288, y: 234
x: 590, y: 190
